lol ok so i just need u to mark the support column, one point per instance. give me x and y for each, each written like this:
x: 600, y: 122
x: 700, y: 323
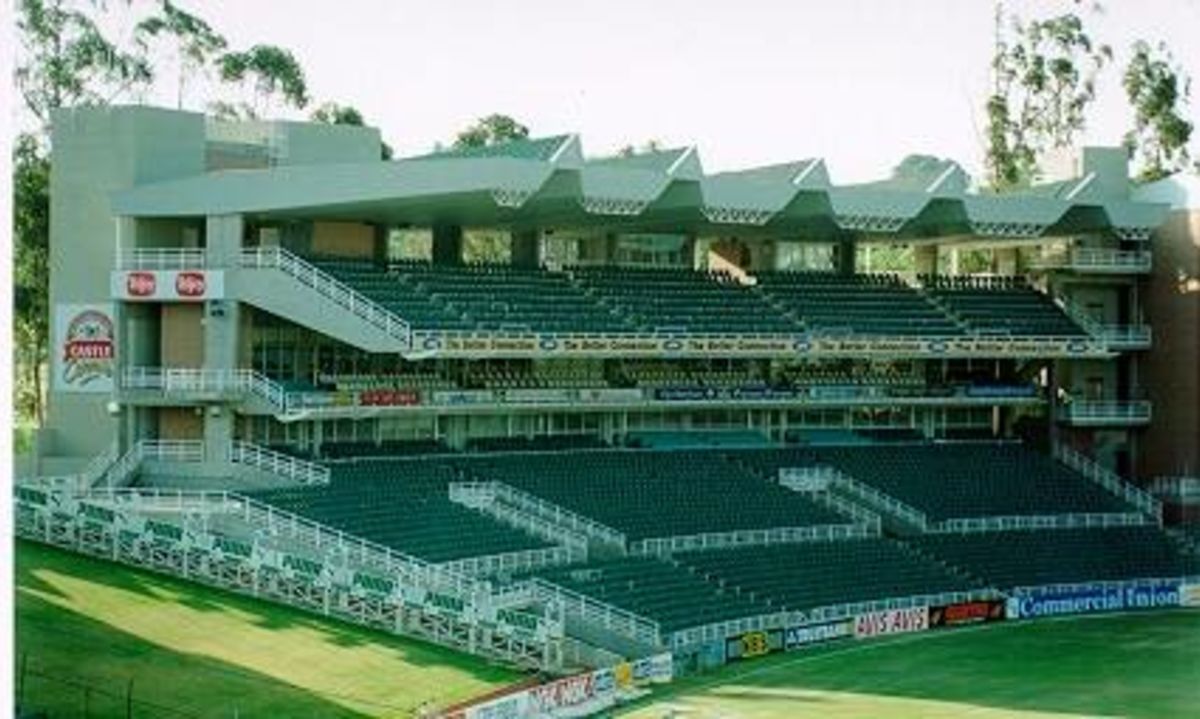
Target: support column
x: 447, y: 244
x: 847, y: 249
x: 223, y: 237
x: 526, y: 249
x: 925, y: 259
x: 379, y: 247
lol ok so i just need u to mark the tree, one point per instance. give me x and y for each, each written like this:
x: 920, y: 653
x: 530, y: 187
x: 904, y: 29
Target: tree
x: 67, y: 60
x: 1044, y: 75
x: 1156, y: 87
x: 31, y: 271
x: 273, y: 72
x: 194, y: 41
x: 490, y: 130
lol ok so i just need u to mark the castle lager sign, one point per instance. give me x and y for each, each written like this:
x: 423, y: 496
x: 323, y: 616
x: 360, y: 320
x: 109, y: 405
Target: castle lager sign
x: 85, y: 348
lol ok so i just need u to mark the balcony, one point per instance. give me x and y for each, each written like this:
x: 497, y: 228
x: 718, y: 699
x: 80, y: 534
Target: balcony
x: 1097, y: 261
x: 168, y: 386
x: 1105, y: 413
x: 1124, y: 337
x: 161, y: 258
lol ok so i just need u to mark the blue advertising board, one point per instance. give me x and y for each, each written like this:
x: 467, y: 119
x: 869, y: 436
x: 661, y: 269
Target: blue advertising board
x: 1054, y: 601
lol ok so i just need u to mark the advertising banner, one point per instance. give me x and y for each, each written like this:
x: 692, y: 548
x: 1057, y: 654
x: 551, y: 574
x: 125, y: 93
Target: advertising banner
x: 796, y: 637
x: 753, y: 644
x: 891, y: 621
x: 168, y: 285
x: 389, y: 398
x: 1051, y: 601
x: 952, y: 615
x: 85, y: 348
x: 1189, y: 595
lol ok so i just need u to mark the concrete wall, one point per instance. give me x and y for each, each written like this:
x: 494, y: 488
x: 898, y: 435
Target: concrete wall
x: 97, y: 151
x: 343, y: 239
x: 1172, y: 367
x: 182, y: 335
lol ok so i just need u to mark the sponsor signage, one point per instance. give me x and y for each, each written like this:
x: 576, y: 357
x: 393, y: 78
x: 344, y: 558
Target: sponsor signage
x: 1189, y: 595
x: 1051, y: 601
x: 753, y: 644
x: 168, y: 285
x: 389, y: 398
x: 891, y: 621
x: 85, y: 348
x: 796, y: 637
x: 952, y: 615
x: 784, y: 346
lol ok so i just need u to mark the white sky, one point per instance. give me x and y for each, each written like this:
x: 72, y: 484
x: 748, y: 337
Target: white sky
x: 860, y: 83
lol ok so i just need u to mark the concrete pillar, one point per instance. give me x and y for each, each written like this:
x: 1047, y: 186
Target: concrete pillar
x: 847, y: 249
x: 526, y: 248
x: 925, y: 259
x: 379, y: 248
x: 223, y: 235
x: 1004, y: 261
x: 447, y: 244
x: 222, y: 322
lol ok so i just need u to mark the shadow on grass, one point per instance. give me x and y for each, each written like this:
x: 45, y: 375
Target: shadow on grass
x: 32, y: 557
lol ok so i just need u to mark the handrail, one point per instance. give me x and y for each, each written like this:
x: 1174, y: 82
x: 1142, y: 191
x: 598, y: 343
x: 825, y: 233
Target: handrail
x: 539, y: 507
x: 665, y: 546
x: 1102, y: 410
x: 285, y: 465
x: 1073, y: 520
x: 329, y: 286
x: 187, y: 379
x: 1111, y: 481
x: 611, y: 616
x: 803, y: 479
x: 1095, y: 258
x: 161, y: 258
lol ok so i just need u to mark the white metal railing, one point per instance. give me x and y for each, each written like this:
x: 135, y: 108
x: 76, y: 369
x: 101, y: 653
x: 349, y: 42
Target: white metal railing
x: 161, y: 258
x: 182, y: 380
x: 663, y: 546
x: 803, y: 479
x: 1182, y: 488
x: 269, y: 522
x: 606, y: 615
x: 1109, y: 480
x: 284, y: 465
x: 1124, y: 335
x: 968, y: 525
x: 1098, y: 260
x: 481, y: 496
x: 520, y: 561
x: 1107, y: 411
x: 539, y: 507
x: 328, y: 286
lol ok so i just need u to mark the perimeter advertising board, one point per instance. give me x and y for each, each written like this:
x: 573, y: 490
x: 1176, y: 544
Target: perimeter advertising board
x: 1059, y: 600
x: 891, y: 621
x: 953, y: 615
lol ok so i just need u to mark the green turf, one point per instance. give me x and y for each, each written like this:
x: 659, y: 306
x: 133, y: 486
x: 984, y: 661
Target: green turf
x: 1136, y: 665
x: 198, y: 652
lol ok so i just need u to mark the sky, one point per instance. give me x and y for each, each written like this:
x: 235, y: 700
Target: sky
x: 860, y: 83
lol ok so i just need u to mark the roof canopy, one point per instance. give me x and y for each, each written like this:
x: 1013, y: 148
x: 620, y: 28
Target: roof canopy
x: 547, y: 182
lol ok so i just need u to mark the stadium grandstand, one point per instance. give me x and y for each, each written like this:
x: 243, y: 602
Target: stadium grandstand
x: 676, y: 411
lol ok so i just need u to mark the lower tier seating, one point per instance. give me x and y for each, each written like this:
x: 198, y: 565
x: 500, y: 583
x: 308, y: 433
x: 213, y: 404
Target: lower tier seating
x: 1053, y: 556
x: 403, y: 505
x: 657, y: 590
x: 820, y: 574
x: 654, y: 493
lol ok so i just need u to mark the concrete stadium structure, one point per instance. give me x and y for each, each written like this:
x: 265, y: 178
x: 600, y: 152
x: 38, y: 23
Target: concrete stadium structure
x: 253, y: 322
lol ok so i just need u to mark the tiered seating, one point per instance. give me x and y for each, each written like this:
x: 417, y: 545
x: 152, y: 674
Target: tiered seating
x: 1001, y: 305
x: 572, y: 375
x: 858, y: 304
x: 385, y: 448
x: 403, y: 505
x: 649, y: 373
x: 428, y: 380
x: 552, y: 443
x: 670, y: 595
x: 680, y: 300
x: 654, y: 494
x: 406, y: 300
x: 955, y: 480
x: 821, y: 574
x: 1052, y: 556
x: 502, y: 297
x: 851, y: 374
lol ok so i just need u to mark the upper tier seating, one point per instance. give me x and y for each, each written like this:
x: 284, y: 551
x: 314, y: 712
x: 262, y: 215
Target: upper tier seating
x: 403, y: 505
x: 652, y: 493
x: 860, y: 304
x: 409, y: 302
x: 680, y: 300
x: 658, y: 590
x: 502, y: 297
x: 1053, y: 556
x: 820, y: 574
x: 1001, y: 305
x: 955, y: 480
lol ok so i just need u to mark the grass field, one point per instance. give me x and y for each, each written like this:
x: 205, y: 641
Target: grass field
x: 1145, y: 665
x: 195, y: 652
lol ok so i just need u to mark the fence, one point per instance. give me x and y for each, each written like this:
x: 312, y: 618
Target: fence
x: 664, y: 546
x: 1039, y: 521
x: 1109, y: 480
x: 161, y: 258
x: 809, y: 479
x: 47, y: 691
x: 283, y: 465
